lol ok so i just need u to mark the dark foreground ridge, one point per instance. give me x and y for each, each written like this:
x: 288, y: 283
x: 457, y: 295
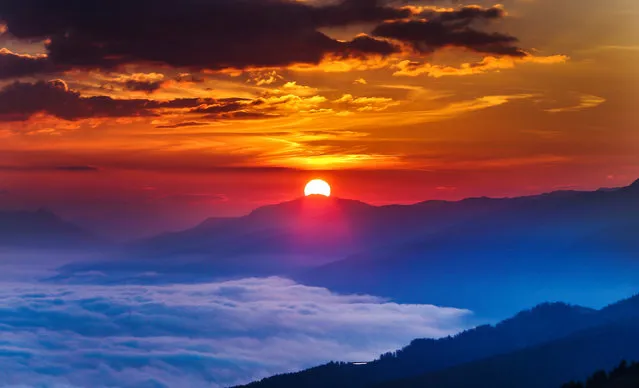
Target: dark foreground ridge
x: 539, y: 348
x: 624, y: 376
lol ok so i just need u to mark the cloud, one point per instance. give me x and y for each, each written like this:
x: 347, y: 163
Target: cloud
x: 14, y: 65
x: 348, y: 12
x: 20, y: 100
x: 586, y: 101
x: 293, y: 87
x: 199, y: 335
x: 245, y: 115
x: 216, y: 34
x: 488, y: 64
x: 293, y: 103
x: 448, y: 111
x: 142, y: 82
x: 367, y: 104
x: 251, y: 35
x: 463, y: 15
x: 451, y: 28
x: 261, y: 78
x: 183, y: 124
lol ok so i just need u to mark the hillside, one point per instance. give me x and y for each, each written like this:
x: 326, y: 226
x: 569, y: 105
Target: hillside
x: 623, y: 376
x: 531, y: 336
x: 548, y: 365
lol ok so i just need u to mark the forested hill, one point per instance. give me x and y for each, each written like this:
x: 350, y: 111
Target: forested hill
x: 624, y: 376
x: 517, y: 343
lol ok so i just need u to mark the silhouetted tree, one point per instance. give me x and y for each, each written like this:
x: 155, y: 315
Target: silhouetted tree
x: 624, y: 376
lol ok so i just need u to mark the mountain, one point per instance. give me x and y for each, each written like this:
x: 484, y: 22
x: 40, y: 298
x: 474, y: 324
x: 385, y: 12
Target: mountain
x: 552, y: 343
x: 519, y: 251
x: 623, y: 376
x: 567, y: 245
x: 329, y: 229
x: 543, y: 366
x: 42, y: 229
x: 307, y: 232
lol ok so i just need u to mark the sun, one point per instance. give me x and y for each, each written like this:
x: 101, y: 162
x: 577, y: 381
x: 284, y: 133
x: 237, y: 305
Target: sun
x: 317, y: 187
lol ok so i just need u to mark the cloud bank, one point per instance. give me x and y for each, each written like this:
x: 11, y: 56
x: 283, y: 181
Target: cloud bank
x: 241, y: 34
x: 203, y: 335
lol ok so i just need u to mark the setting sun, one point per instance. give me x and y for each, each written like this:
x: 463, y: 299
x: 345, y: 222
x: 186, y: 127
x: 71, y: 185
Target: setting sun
x: 317, y: 186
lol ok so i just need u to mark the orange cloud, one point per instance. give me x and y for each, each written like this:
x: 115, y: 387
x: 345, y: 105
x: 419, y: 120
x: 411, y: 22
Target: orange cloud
x: 367, y: 104
x: 488, y: 64
x: 586, y: 101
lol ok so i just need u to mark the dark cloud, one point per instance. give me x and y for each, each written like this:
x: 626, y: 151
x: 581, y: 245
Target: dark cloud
x: 223, y: 34
x: 220, y: 107
x: 196, y: 34
x: 143, y: 86
x: 188, y: 77
x: 20, y: 100
x: 238, y: 109
x: 248, y: 115
x: 183, y: 103
x: 14, y: 65
x: 452, y: 29
x: 364, y: 44
x: 357, y: 11
x: 465, y: 15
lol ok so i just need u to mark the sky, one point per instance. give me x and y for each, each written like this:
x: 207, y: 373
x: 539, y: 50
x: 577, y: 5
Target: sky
x: 133, y: 118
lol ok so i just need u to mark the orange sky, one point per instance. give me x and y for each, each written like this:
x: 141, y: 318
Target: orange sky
x: 445, y: 122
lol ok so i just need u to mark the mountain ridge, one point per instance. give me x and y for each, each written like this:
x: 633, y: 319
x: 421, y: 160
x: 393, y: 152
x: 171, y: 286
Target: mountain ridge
x: 542, y: 326
x: 521, y: 250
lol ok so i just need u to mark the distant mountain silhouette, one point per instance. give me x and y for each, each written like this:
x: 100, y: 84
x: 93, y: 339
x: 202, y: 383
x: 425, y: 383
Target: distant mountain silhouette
x: 493, y: 256
x: 539, y: 348
x: 42, y: 229
x: 334, y: 228
x: 518, y: 251
x: 315, y: 226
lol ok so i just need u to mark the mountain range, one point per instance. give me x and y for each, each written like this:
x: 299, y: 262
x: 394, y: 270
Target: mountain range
x: 566, y: 245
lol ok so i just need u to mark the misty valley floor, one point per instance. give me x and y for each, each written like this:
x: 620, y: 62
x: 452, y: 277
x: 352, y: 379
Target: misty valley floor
x: 195, y: 335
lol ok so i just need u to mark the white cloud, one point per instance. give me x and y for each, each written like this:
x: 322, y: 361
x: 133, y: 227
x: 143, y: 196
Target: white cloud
x: 197, y: 335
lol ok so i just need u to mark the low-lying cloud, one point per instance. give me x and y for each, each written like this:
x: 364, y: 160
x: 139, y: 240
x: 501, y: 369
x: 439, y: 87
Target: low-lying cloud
x: 197, y: 335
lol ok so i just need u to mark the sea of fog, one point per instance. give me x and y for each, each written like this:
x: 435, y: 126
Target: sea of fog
x: 213, y: 334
